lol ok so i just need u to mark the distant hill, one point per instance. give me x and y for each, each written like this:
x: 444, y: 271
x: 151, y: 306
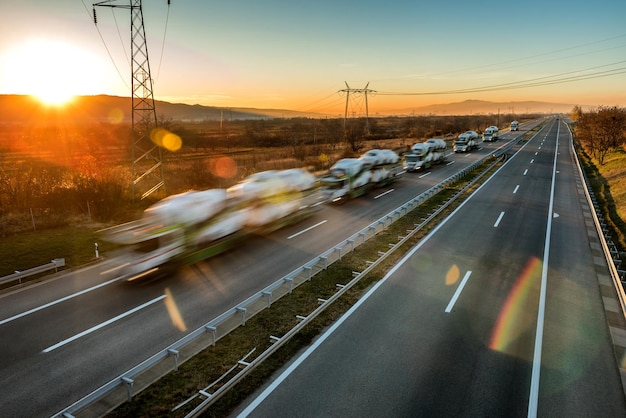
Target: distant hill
x: 22, y: 108
x: 474, y: 107
x: 102, y: 108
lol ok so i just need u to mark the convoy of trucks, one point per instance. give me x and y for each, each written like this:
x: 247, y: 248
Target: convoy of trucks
x: 490, y: 134
x: 192, y: 226
x: 466, y: 142
x: 514, y: 125
x: 423, y: 155
x: 353, y: 177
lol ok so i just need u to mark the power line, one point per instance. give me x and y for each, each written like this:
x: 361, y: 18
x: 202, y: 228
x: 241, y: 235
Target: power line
x: 534, y: 82
x: 93, y: 18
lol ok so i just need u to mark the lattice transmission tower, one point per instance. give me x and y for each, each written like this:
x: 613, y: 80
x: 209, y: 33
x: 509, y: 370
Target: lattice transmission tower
x: 358, y: 105
x: 147, y: 156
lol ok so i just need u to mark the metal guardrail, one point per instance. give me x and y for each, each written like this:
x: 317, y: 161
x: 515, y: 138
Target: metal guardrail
x: 608, y: 247
x: 19, y: 275
x: 121, y: 389
x: 277, y: 342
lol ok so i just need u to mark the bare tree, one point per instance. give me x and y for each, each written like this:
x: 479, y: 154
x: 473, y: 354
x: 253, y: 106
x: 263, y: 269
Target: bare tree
x: 602, y: 130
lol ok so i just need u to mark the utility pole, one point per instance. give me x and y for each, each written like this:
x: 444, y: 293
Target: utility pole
x: 147, y: 158
x: 355, y: 93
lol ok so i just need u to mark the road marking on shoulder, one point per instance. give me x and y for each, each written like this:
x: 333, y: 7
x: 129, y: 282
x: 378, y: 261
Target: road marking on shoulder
x: 382, y: 194
x: 47, y: 305
x: 499, y: 219
x: 458, y: 291
x: 104, y: 324
x: 111, y: 270
x: 307, y: 229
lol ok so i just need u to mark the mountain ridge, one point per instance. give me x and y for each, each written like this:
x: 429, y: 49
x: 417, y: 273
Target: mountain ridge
x: 103, y: 108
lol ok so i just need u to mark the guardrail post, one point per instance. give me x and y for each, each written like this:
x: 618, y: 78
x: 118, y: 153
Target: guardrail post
x: 290, y: 281
x: 309, y: 272
x: 129, y: 386
x: 269, y: 297
x: 325, y: 262
x: 243, y: 314
x: 351, y: 241
x: 213, y: 331
x: 174, y: 353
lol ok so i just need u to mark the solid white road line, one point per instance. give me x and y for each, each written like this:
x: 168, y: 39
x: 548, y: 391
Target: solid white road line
x: 307, y: 229
x: 533, y: 401
x: 458, y: 291
x: 102, y: 325
x: 47, y: 305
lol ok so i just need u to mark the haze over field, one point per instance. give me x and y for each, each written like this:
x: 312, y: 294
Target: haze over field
x: 297, y: 56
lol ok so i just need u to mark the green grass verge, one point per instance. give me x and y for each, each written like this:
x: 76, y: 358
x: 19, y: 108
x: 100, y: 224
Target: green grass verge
x: 608, y: 183
x: 35, y: 248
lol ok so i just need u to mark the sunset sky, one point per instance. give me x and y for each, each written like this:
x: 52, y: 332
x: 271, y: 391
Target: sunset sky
x: 297, y: 55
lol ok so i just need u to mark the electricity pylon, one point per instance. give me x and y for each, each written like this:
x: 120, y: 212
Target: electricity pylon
x: 147, y: 158
x: 357, y: 94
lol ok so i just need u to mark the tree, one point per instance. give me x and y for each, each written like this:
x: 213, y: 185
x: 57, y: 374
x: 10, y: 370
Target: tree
x: 601, y: 130
x: 577, y: 113
x: 355, y: 134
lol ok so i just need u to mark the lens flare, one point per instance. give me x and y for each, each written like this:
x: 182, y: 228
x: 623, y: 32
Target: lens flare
x: 514, y: 318
x: 224, y: 167
x: 166, y: 139
x: 172, y: 309
x: 453, y: 275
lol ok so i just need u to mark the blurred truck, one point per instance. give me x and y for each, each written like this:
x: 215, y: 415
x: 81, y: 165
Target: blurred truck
x: 466, y: 142
x: 352, y: 177
x: 515, y: 126
x: 423, y: 155
x: 192, y: 226
x: 490, y: 134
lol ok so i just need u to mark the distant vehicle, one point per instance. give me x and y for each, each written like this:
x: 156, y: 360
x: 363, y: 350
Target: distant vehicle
x: 353, y: 177
x: 490, y: 134
x: 424, y: 155
x: 514, y: 125
x: 192, y: 226
x: 466, y: 142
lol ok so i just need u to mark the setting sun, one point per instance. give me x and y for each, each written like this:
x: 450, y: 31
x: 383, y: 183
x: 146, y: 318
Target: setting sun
x: 52, y: 71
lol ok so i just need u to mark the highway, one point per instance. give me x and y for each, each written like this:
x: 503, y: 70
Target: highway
x: 497, y: 312
x: 62, y: 339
